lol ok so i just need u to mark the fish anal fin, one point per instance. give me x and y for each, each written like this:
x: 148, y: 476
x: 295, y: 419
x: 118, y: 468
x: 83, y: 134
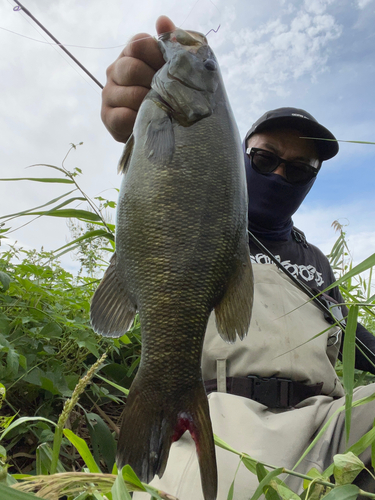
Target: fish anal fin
x: 160, y: 143
x: 112, y: 310
x: 124, y: 162
x: 151, y: 423
x: 233, y: 313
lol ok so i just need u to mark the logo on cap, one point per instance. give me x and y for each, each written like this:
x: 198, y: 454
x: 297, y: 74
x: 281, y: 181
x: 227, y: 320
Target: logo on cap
x: 300, y: 116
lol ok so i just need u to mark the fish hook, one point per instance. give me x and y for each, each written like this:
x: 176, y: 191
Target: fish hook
x: 215, y: 31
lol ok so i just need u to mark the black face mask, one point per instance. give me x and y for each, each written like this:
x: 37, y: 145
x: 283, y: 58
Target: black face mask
x: 272, y: 202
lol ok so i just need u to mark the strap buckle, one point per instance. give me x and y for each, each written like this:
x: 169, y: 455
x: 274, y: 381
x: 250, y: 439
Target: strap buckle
x: 272, y: 392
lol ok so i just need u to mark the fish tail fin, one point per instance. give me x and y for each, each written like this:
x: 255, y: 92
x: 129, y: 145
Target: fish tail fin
x: 149, y: 427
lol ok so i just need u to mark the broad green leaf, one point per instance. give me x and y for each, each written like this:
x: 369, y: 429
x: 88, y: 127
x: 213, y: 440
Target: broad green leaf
x: 101, y: 439
x: 7, y: 493
x: 57, y: 180
x: 22, y: 420
x: 347, y: 467
x: 269, y: 492
x: 125, y: 339
x: 83, y: 450
x: 314, y: 474
x: 266, y: 481
x: 347, y: 492
x: 348, y: 359
x: 119, y: 490
x: 51, y: 330
x: 250, y: 463
x: 284, y: 492
x: 131, y: 477
x: 4, y: 280
x: 4, y: 324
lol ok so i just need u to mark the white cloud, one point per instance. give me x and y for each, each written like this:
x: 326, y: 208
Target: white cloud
x: 263, y: 61
x: 363, y: 3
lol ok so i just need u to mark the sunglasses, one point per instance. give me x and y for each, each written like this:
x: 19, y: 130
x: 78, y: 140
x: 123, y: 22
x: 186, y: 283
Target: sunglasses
x: 296, y: 172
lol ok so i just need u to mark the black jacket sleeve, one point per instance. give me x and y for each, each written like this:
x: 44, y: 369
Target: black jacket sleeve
x: 363, y: 358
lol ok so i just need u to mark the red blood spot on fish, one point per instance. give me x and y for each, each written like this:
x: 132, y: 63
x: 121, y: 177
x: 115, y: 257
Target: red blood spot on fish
x: 185, y: 423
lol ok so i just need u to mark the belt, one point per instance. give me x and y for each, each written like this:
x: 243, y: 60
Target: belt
x: 272, y: 392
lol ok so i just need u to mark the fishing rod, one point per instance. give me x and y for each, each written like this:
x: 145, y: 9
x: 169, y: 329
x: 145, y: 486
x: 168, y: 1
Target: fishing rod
x: 26, y: 11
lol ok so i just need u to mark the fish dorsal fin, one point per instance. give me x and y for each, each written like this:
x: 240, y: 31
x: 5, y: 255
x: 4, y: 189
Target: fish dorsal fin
x: 233, y: 313
x: 160, y: 144
x: 123, y: 164
x: 112, y: 311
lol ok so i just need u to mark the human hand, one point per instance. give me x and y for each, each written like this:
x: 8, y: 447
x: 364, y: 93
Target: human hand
x: 129, y: 80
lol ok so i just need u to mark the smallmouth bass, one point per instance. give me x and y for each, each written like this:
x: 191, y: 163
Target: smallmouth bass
x: 181, y: 252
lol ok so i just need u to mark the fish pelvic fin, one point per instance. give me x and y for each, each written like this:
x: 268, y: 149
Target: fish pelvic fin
x: 233, y: 313
x: 112, y: 311
x: 150, y: 425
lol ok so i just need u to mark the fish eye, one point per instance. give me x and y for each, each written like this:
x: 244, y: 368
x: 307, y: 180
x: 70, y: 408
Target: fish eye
x: 210, y: 64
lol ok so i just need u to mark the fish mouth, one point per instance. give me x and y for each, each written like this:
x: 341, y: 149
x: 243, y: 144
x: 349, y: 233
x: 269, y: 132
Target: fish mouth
x: 192, y: 39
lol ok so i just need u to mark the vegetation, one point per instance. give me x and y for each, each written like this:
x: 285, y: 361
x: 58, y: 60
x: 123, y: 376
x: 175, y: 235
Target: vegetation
x: 62, y: 387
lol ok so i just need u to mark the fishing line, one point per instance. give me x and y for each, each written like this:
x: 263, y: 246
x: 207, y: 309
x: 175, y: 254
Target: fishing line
x: 191, y: 10
x: 64, y: 44
x: 26, y: 11
x: 21, y: 8
x: 57, y: 51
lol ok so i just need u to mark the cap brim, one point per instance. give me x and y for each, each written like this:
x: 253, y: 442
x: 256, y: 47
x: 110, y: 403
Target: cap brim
x: 325, y: 141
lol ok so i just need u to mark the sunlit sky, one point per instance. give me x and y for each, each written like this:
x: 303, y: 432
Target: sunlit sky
x: 317, y: 55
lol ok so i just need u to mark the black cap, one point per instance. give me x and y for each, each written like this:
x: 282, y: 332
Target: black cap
x: 300, y: 120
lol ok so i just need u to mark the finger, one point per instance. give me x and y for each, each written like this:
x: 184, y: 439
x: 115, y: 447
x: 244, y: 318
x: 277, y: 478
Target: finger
x: 164, y: 25
x: 128, y: 71
x: 119, y: 122
x: 145, y: 48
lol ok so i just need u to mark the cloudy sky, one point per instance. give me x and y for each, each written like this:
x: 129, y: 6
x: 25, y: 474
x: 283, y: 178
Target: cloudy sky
x: 315, y: 54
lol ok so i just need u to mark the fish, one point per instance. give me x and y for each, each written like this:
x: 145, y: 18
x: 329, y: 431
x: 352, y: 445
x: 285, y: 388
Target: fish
x: 181, y: 252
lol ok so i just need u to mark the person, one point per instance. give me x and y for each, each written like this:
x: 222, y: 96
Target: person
x: 272, y: 393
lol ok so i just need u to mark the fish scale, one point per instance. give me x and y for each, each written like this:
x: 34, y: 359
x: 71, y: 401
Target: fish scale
x: 181, y: 252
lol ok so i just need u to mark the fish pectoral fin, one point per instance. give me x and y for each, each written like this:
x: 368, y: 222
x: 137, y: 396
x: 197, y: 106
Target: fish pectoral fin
x: 151, y: 422
x: 233, y: 313
x: 160, y: 144
x: 124, y: 162
x: 112, y: 311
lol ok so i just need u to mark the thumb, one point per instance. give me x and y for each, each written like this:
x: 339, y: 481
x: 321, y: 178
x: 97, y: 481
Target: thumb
x: 164, y: 25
